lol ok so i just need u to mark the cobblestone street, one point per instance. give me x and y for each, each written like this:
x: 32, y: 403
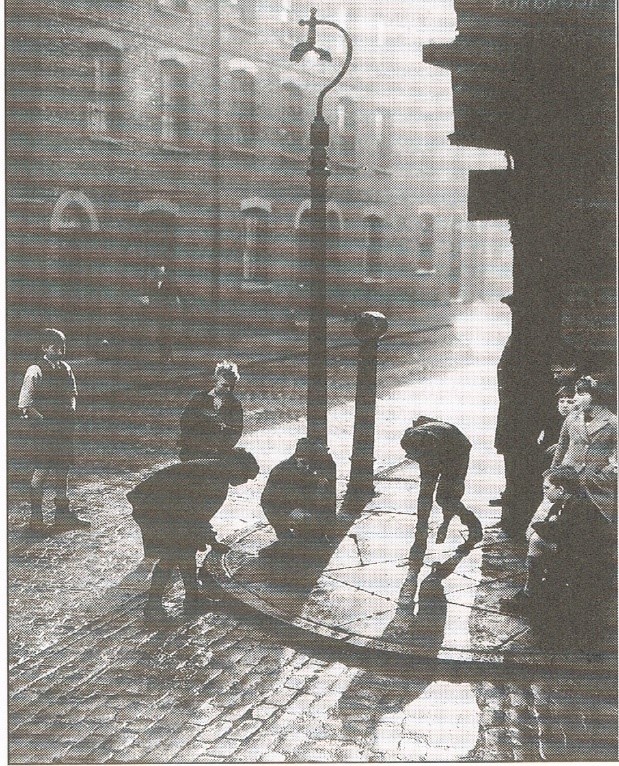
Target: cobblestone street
x: 89, y: 682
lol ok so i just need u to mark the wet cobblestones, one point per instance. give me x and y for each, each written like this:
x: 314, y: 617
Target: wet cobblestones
x: 90, y: 683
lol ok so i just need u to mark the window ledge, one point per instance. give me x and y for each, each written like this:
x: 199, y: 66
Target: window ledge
x: 249, y: 286
x: 296, y: 158
x: 104, y: 139
x: 241, y: 26
x: 174, y: 149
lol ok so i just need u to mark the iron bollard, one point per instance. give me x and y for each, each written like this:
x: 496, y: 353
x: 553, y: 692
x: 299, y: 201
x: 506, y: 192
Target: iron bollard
x: 368, y: 328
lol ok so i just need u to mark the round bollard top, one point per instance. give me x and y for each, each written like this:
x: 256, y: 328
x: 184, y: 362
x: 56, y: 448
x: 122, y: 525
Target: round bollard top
x: 371, y: 325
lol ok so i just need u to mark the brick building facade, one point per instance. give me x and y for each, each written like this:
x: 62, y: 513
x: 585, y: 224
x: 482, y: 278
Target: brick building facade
x: 172, y: 132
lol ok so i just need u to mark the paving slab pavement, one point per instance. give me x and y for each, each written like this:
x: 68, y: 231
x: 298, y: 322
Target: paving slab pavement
x: 380, y: 586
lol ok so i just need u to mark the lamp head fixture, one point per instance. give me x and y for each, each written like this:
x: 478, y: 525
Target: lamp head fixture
x: 301, y: 49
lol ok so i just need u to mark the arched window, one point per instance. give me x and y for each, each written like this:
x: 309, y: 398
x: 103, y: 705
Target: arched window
x: 104, y: 91
x: 292, y: 127
x: 243, y: 105
x: 375, y: 234
x: 75, y: 275
x: 174, y: 102
x: 256, y: 245
x: 425, y: 253
x: 347, y: 128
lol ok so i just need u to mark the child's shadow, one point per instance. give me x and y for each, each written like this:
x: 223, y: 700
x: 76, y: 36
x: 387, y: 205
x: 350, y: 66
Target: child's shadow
x: 421, y: 615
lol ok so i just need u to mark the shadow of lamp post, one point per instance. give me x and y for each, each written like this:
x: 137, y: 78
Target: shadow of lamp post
x: 318, y: 173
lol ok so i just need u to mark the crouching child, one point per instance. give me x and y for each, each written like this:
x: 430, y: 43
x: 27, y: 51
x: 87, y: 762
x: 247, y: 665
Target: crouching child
x: 299, y: 498
x: 570, y: 563
x: 173, y: 509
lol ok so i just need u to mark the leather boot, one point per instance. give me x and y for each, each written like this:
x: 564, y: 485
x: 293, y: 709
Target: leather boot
x: 196, y: 601
x: 65, y: 519
x: 36, y: 512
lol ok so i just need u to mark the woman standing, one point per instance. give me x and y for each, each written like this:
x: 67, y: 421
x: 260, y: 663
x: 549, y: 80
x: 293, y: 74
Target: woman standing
x: 588, y: 441
x: 212, y: 422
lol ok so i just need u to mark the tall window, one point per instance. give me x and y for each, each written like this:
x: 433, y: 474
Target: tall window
x: 104, y: 91
x: 75, y: 277
x: 383, y: 127
x: 374, y: 247
x: 292, y: 127
x: 244, y: 10
x: 425, y: 255
x: 174, y: 103
x: 347, y: 127
x: 243, y: 105
x: 255, y: 246
x: 285, y: 8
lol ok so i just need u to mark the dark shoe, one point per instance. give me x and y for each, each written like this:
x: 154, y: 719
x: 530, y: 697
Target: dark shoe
x: 210, y: 588
x: 278, y: 548
x: 468, y: 545
x: 217, y: 547
x: 199, y: 604
x: 497, y: 502
x: 519, y: 603
x: 475, y: 535
x: 66, y: 521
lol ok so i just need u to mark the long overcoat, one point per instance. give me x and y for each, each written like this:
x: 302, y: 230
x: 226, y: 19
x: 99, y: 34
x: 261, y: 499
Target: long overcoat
x: 591, y: 447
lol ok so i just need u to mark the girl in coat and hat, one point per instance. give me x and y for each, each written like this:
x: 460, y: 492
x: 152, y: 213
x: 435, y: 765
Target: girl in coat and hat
x: 588, y: 442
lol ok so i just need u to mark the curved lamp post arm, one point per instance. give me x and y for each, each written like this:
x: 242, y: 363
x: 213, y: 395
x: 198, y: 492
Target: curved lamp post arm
x: 301, y: 49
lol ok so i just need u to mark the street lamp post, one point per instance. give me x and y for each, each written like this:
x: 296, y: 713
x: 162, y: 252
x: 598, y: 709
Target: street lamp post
x: 318, y: 173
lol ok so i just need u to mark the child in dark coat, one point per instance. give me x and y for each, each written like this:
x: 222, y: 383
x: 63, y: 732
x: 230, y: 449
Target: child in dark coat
x: 569, y: 559
x: 212, y: 422
x: 173, y: 508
